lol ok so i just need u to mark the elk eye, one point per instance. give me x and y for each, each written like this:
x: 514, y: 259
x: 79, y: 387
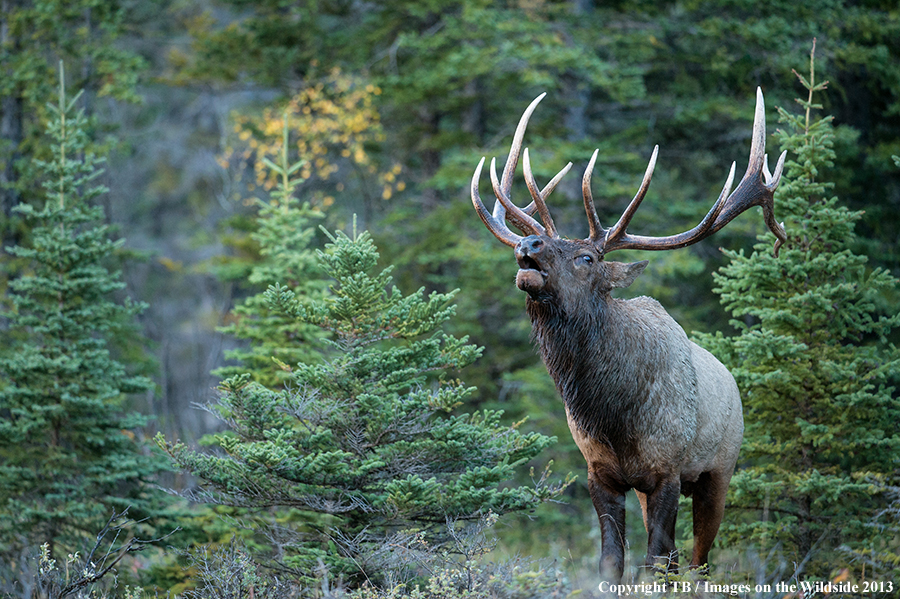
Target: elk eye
x: 585, y: 259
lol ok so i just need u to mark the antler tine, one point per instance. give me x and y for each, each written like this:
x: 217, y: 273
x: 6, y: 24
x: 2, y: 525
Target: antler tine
x: 768, y: 210
x: 493, y: 222
x: 703, y: 229
x: 504, y: 207
x: 728, y: 183
x: 514, y: 214
x: 756, y: 188
x: 531, y: 208
x: 596, y: 230
x: 515, y: 149
x: 619, y: 228
x: 773, y: 180
x: 548, y: 189
x: 758, y: 139
x: 539, y: 197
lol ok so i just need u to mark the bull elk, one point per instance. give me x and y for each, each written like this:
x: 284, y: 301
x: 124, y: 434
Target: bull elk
x: 649, y: 409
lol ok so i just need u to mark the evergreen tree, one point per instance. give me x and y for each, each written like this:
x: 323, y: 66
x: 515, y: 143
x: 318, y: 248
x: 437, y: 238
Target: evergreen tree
x: 282, y: 236
x: 68, y: 454
x: 363, y: 446
x: 34, y: 36
x: 813, y: 365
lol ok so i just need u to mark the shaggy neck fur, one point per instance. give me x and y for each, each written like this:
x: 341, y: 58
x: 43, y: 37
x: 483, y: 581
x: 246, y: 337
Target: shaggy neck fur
x: 605, y: 362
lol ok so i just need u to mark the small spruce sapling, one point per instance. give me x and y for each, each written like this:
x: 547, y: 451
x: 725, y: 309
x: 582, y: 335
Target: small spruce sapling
x: 274, y: 340
x: 364, y: 446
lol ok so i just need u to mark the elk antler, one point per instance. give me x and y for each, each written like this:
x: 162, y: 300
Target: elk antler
x: 504, y: 209
x: 757, y: 188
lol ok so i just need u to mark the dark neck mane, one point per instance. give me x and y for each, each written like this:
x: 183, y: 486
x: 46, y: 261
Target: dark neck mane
x: 598, y: 372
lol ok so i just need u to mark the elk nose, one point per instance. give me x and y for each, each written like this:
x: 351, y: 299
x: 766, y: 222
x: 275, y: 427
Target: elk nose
x: 530, y: 246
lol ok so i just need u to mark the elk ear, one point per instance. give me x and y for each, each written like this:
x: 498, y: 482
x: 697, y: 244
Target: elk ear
x: 622, y: 275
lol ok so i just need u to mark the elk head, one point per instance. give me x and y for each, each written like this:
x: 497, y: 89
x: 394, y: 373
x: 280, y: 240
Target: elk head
x: 552, y: 266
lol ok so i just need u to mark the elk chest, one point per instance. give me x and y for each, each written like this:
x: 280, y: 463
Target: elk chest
x: 625, y: 373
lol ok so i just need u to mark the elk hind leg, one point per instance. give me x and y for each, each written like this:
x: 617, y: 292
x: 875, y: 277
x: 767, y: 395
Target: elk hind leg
x: 709, y: 506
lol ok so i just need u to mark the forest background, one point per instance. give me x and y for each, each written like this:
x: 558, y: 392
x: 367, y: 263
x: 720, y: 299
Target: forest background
x: 390, y: 106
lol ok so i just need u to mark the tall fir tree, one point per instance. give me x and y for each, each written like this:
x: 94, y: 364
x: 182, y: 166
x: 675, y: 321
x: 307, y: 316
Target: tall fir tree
x: 363, y: 446
x: 34, y: 36
x: 814, y: 367
x: 275, y: 341
x: 69, y: 456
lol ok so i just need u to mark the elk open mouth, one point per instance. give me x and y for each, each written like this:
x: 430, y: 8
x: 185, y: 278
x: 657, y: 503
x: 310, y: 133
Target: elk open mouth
x: 530, y: 277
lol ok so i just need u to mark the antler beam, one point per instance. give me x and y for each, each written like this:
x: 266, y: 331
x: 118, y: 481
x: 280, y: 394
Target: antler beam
x: 756, y: 188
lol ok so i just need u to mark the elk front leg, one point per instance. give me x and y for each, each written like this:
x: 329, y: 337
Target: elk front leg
x: 661, y: 512
x: 610, y: 506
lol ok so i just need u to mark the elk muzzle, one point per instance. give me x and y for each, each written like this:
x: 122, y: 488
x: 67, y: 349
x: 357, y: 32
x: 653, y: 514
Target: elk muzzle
x: 530, y: 254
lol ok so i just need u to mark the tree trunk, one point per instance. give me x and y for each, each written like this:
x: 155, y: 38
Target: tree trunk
x: 430, y: 156
x: 473, y: 118
x: 577, y: 92
x: 10, y: 117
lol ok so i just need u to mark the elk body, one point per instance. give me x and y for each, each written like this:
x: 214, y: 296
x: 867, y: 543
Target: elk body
x: 649, y: 409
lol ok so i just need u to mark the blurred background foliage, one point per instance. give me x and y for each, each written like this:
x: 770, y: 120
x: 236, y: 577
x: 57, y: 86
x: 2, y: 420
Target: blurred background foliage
x: 389, y: 106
